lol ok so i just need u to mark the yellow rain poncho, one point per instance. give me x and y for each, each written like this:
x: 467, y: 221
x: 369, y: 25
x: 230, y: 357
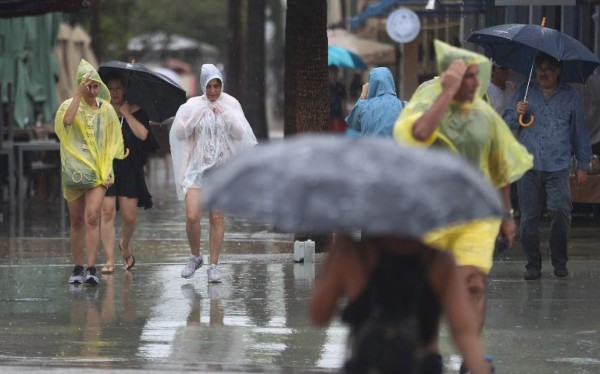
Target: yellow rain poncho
x: 473, y: 130
x: 478, y: 134
x: 89, y: 145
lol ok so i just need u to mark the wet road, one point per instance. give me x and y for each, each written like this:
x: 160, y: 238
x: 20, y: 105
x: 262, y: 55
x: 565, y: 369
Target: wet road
x: 255, y: 321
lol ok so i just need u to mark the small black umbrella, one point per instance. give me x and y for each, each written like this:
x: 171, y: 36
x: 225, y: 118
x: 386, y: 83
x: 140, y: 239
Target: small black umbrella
x: 321, y: 184
x: 158, y: 95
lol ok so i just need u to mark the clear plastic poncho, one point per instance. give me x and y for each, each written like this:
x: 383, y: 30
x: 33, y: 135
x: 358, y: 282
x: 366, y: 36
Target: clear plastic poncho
x: 473, y: 130
x: 206, y: 134
x: 89, y: 145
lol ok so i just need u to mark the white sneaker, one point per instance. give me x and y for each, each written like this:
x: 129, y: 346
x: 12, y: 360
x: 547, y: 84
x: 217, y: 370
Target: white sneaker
x: 191, y: 266
x: 213, y: 274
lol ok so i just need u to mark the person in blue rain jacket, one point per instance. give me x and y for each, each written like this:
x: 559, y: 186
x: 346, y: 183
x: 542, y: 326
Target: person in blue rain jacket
x: 378, y: 107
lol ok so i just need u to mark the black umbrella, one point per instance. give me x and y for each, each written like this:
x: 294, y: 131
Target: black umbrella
x: 158, y: 95
x: 321, y: 184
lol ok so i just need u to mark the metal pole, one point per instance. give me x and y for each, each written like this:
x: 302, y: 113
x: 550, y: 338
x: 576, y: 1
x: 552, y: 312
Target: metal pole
x: 398, y: 68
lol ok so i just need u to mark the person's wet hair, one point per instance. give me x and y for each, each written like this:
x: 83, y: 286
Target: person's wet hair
x: 115, y: 76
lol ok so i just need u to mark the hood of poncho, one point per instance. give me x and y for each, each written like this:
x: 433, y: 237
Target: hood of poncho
x: 86, y: 70
x: 208, y: 73
x: 445, y: 54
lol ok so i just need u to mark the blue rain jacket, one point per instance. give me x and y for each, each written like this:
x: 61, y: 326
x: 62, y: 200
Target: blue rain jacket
x: 377, y: 114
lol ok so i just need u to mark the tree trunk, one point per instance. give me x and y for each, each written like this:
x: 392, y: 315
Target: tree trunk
x: 254, y: 77
x: 96, y: 31
x: 235, y: 53
x: 306, y: 90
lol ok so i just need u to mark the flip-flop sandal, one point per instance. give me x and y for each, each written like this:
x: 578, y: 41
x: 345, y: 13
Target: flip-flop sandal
x: 107, y: 269
x: 126, y: 259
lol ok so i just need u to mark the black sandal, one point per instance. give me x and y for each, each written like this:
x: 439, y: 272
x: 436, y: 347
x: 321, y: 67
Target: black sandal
x: 126, y: 259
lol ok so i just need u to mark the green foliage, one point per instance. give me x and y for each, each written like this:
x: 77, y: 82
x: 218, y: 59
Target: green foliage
x: 204, y: 20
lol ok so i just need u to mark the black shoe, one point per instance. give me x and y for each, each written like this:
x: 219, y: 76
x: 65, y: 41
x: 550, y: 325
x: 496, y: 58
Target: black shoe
x: 561, y: 272
x: 91, y: 279
x: 532, y: 274
x: 77, y: 275
x: 431, y: 363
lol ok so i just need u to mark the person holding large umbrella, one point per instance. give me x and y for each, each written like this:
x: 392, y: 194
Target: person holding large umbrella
x: 558, y: 131
x: 129, y: 190
x: 396, y: 286
x: 449, y: 112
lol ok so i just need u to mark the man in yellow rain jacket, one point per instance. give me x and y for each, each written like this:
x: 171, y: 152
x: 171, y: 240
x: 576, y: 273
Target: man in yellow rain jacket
x: 449, y: 112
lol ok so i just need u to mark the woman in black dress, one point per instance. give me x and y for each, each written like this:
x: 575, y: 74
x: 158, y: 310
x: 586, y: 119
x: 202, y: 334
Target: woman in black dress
x: 129, y: 190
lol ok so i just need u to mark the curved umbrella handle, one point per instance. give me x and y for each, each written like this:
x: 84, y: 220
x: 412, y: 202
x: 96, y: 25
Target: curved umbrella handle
x: 526, y: 124
x: 126, y: 153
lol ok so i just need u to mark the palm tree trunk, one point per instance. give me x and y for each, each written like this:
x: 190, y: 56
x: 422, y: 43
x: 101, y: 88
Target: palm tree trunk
x: 254, y: 79
x: 306, y: 90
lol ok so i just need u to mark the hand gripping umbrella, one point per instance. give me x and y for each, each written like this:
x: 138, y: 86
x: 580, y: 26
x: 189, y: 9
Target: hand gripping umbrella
x: 326, y: 183
x: 158, y: 95
x: 516, y: 45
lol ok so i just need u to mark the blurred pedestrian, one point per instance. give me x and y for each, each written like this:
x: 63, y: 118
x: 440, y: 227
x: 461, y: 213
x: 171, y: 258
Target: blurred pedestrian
x: 553, y: 129
x: 449, y: 112
x: 90, y: 138
x: 378, y: 107
x: 500, y: 90
x: 337, y: 102
x: 396, y: 290
x: 129, y: 190
x: 207, y: 131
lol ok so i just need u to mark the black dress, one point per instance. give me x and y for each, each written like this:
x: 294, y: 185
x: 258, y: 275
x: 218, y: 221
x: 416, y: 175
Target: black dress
x: 129, y: 172
x: 393, y: 318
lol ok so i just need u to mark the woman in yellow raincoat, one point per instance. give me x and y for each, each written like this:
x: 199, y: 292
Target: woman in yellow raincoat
x: 90, y: 138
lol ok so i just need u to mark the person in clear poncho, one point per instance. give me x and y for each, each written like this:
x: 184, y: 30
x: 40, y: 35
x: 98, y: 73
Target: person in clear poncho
x: 207, y: 131
x: 90, y: 138
x: 449, y: 112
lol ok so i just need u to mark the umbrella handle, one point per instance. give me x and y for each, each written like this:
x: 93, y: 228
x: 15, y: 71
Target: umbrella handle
x: 126, y: 153
x: 526, y: 124
x: 531, y: 117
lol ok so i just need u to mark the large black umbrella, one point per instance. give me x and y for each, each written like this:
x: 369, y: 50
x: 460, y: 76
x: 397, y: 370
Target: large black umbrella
x: 516, y: 45
x: 321, y: 184
x: 158, y: 95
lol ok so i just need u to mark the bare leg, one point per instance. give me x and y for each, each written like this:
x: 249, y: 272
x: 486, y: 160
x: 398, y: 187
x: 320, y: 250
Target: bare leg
x: 474, y: 280
x: 128, y: 208
x: 193, y: 214
x: 216, y: 235
x: 93, y: 205
x: 77, y: 229
x: 107, y: 228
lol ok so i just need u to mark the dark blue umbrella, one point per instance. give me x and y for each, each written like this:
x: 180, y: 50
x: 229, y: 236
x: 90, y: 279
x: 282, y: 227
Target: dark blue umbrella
x: 343, y: 58
x: 516, y: 45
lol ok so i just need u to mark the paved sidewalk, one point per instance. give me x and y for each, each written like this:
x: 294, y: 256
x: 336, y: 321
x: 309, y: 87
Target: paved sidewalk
x: 151, y: 319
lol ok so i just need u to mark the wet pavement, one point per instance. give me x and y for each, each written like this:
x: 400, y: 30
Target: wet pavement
x: 255, y: 321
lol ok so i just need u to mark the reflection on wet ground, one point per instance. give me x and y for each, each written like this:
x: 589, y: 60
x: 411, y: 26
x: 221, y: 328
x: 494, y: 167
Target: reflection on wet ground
x: 255, y: 321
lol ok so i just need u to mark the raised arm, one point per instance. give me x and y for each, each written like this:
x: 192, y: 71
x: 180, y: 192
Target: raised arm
x: 139, y: 130
x: 431, y: 119
x: 71, y: 111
